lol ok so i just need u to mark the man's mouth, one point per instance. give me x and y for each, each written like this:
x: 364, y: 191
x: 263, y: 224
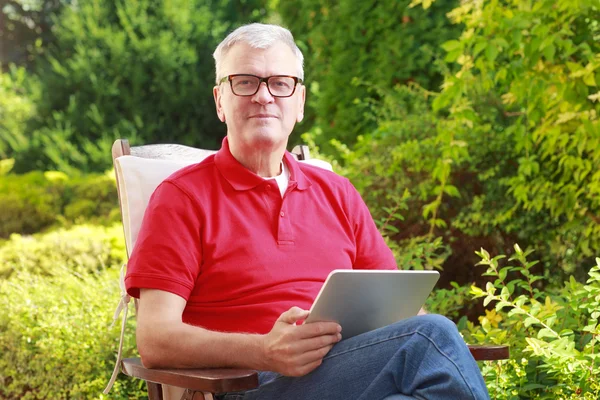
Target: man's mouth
x: 260, y: 116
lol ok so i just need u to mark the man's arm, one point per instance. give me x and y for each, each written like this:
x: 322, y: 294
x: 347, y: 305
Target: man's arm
x: 163, y: 340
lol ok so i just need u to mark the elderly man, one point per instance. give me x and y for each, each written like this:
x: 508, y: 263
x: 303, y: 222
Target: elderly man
x: 233, y: 251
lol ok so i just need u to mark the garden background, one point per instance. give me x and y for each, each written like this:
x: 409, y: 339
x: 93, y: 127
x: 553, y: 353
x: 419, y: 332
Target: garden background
x: 471, y: 128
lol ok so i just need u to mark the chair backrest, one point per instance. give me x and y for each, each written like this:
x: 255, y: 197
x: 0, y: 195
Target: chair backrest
x: 139, y: 170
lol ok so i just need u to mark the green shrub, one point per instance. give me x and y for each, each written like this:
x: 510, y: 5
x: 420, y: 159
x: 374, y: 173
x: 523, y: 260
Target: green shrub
x: 553, y: 335
x: 91, y: 198
x: 19, y: 94
x: 55, y: 339
x: 524, y: 104
x: 35, y: 201
x: 28, y: 202
x: 506, y: 153
x: 347, y: 42
x: 59, y: 291
x: 141, y: 70
x: 449, y: 302
x: 80, y: 248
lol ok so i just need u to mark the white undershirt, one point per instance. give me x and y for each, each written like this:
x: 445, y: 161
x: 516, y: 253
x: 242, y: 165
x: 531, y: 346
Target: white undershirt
x: 283, y: 179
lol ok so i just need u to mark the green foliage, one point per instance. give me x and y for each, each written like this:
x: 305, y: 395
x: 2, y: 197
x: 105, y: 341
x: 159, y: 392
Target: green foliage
x: 37, y: 200
x: 54, y: 333
x: 525, y: 103
x: 391, y: 164
x: 413, y: 252
x: 449, y: 302
x: 91, y: 198
x: 29, y: 203
x: 507, y: 152
x: 6, y: 165
x: 347, y: 42
x: 553, y: 336
x: 82, y: 247
x: 139, y: 69
x: 19, y: 93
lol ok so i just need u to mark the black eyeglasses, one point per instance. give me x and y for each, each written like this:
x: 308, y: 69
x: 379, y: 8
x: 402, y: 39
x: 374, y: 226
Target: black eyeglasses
x: 248, y: 85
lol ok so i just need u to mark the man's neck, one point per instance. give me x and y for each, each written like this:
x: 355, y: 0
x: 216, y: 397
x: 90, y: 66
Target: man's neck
x: 263, y: 162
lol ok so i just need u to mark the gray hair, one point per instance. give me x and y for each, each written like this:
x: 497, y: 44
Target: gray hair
x: 257, y: 36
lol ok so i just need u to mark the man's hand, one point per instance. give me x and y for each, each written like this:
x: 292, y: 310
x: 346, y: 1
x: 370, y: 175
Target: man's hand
x: 296, y: 350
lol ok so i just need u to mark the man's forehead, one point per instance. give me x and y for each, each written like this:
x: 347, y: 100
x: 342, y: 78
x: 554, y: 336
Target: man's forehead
x: 278, y: 57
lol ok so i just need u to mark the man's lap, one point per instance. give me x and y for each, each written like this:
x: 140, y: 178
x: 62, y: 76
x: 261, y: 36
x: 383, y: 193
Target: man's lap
x: 400, y: 358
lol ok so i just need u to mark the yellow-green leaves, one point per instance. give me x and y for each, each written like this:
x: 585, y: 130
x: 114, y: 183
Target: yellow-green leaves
x: 424, y: 3
x: 555, y: 332
x: 594, y: 97
x: 6, y: 165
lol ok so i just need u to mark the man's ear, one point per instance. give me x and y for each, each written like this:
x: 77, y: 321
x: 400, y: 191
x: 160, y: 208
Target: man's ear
x: 217, y: 96
x: 300, y: 116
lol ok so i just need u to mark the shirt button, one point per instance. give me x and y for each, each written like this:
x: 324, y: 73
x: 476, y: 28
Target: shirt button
x: 282, y: 214
x: 268, y: 187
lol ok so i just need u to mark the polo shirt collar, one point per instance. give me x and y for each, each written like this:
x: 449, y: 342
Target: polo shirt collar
x: 241, y: 178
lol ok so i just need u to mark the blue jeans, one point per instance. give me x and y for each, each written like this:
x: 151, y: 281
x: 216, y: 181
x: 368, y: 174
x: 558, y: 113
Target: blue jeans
x: 422, y: 357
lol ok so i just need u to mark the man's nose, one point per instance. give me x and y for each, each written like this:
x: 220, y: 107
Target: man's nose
x: 263, y: 96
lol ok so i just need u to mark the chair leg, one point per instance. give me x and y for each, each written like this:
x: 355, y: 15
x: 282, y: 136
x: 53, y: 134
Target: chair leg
x: 154, y: 391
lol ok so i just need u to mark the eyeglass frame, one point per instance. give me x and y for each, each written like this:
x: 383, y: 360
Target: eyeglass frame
x: 260, y: 81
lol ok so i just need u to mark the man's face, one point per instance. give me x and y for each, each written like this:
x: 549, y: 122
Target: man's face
x: 261, y: 120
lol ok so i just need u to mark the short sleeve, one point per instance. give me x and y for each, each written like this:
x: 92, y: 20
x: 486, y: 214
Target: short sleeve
x: 168, y: 252
x: 371, y: 250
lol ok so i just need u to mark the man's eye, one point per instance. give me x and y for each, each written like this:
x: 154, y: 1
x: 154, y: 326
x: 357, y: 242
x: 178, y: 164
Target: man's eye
x: 281, y: 84
x: 246, y: 82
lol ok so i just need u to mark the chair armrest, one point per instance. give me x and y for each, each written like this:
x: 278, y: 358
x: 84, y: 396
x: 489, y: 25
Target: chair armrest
x: 216, y: 380
x: 489, y: 352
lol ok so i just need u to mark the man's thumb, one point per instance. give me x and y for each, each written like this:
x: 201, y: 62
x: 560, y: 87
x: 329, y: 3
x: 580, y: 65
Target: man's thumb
x: 293, y: 314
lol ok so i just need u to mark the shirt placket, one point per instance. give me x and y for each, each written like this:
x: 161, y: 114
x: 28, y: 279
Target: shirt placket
x: 277, y: 208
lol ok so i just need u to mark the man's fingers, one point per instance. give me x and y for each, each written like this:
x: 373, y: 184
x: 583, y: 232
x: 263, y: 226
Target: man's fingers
x: 292, y: 315
x: 307, y: 362
x: 316, y: 329
x: 304, y: 369
x: 314, y: 355
x: 315, y: 343
x: 297, y: 350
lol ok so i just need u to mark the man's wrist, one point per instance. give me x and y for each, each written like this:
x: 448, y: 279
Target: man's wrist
x: 256, y: 352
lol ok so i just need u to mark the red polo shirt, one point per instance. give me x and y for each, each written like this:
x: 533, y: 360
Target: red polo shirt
x: 223, y: 238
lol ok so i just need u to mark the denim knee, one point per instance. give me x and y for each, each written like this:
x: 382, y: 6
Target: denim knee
x: 434, y: 325
x: 437, y: 320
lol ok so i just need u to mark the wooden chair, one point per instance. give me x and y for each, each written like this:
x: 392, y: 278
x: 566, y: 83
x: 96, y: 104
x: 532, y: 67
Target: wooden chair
x: 153, y: 163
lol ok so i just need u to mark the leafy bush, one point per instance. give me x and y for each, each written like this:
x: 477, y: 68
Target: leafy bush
x: 19, y: 93
x: 450, y: 302
x: 55, y: 339
x: 136, y: 69
x: 506, y: 153
x: 347, y: 42
x: 91, y: 198
x: 37, y: 200
x: 553, y: 336
x: 82, y: 247
x: 28, y: 203
x: 525, y: 105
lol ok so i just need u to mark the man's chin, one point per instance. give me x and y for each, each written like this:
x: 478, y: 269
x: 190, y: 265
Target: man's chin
x: 267, y: 139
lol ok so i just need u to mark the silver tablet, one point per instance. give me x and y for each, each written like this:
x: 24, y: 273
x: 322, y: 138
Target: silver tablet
x: 363, y: 300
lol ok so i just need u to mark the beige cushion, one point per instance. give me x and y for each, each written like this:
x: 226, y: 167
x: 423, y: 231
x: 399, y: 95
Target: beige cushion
x: 137, y: 179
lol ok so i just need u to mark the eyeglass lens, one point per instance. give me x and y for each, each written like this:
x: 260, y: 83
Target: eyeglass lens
x: 247, y: 85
